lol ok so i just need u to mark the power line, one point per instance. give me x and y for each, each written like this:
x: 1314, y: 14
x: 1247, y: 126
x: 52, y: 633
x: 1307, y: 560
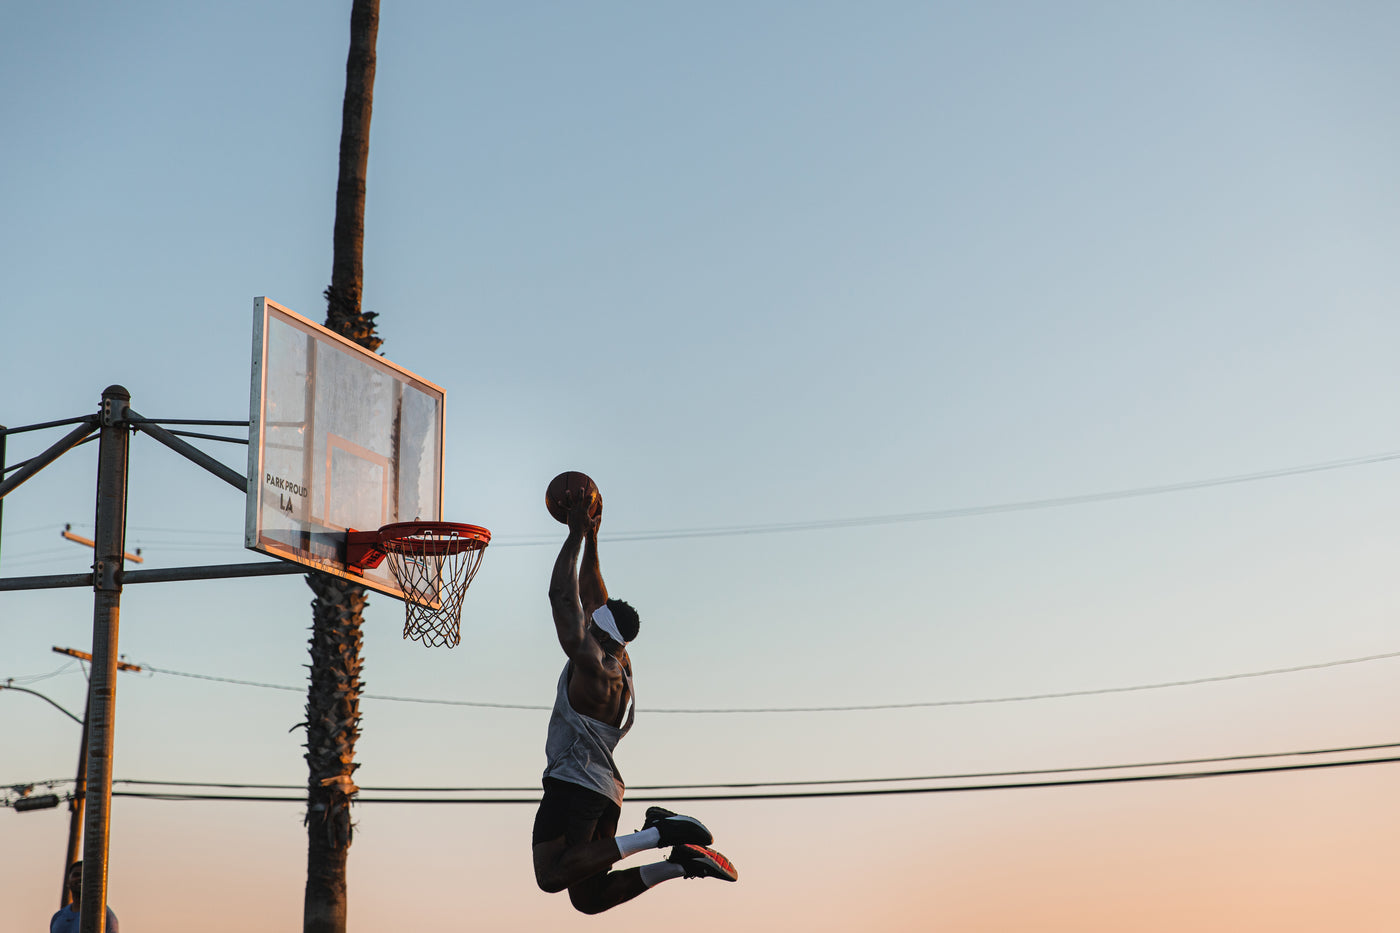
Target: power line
x: 867, y: 707
x: 927, y: 515
x: 36, y: 678
x: 35, y: 529
x: 796, y: 795
x: 971, y: 511
x: 1043, y: 696
x: 732, y: 785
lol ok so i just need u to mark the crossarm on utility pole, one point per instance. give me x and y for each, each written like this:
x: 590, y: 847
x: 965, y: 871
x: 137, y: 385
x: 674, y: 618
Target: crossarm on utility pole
x: 69, y: 535
x: 84, y: 656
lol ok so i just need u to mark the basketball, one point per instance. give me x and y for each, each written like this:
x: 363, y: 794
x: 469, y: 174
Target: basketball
x: 572, y: 479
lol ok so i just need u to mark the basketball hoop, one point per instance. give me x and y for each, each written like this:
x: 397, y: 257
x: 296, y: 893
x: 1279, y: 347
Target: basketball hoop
x: 433, y: 564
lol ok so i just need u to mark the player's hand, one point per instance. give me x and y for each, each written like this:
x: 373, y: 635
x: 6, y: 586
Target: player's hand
x: 576, y: 507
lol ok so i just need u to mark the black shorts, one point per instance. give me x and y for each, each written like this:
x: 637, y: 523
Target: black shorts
x: 574, y: 812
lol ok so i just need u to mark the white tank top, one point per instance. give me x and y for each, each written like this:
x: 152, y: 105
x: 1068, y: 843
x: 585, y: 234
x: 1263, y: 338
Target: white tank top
x: 579, y: 749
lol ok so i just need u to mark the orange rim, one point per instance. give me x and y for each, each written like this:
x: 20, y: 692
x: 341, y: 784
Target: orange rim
x: 434, y: 538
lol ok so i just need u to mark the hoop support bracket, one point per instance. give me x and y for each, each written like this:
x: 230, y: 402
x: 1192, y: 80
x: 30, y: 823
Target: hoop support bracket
x: 362, y: 551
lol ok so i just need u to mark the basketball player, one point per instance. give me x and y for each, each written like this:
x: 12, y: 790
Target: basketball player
x: 575, y: 835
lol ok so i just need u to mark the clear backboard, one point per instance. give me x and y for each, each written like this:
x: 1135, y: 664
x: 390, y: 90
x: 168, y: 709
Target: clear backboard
x: 339, y: 439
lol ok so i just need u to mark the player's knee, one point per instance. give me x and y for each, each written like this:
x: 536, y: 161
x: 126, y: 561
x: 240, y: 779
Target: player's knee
x: 586, y: 900
x: 549, y: 882
x: 548, y: 876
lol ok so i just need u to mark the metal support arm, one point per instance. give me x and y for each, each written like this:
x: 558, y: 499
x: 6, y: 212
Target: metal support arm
x: 189, y: 451
x: 34, y: 465
x: 165, y: 575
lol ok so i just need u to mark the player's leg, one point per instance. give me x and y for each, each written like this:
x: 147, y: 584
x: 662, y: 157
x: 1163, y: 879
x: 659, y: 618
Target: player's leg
x: 559, y: 865
x: 575, y: 845
x: 605, y: 889
x: 687, y: 860
x: 569, y: 845
x: 566, y: 846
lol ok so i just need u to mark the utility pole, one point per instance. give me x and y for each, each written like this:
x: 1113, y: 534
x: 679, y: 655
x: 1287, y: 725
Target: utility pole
x: 75, y: 803
x: 112, y: 425
x: 112, y: 458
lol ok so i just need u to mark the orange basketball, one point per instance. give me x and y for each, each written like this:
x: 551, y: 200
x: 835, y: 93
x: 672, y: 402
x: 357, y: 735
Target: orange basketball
x: 580, y: 482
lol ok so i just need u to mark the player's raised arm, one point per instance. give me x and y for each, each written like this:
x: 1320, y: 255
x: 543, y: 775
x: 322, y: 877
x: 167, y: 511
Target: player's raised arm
x: 570, y: 624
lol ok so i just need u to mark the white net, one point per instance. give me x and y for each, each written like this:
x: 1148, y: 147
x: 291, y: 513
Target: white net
x: 434, y: 566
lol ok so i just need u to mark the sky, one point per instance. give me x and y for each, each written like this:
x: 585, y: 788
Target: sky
x: 934, y: 281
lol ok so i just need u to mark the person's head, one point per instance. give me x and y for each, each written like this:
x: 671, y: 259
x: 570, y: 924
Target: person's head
x: 74, y: 881
x: 628, y: 624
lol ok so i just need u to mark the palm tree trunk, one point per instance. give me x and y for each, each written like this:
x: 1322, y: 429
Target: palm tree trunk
x: 347, y: 263
x: 332, y: 726
x: 333, y: 698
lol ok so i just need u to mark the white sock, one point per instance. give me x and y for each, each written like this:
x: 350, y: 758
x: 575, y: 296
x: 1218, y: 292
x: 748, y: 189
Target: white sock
x: 639, y: 841
x: 657, y: 872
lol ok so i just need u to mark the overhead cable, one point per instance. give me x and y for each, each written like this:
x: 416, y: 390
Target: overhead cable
x: 865, y: 707
x: 971, y: 511
x: 793, y: 795
x: 732, y: 785
x: 1024, y: 505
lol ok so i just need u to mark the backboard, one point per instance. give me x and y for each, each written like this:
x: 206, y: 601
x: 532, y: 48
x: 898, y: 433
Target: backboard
x: 339, y: 439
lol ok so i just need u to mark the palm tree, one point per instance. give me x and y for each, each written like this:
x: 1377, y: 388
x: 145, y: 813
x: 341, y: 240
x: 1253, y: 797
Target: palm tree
x: 333, y: 697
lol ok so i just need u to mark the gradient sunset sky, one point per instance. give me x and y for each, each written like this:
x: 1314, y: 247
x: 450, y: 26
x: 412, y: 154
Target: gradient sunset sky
x: 882, y: 268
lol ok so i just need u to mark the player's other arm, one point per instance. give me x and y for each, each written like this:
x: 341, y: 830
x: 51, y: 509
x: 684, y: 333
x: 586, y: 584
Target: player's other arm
x: 591, y: 590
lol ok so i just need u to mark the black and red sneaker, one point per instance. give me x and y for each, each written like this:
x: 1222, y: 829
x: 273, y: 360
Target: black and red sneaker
x: 702, y: 862
x: 676, y: 829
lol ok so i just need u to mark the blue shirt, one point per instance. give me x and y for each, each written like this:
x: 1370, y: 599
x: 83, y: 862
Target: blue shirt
x: 67, y: 919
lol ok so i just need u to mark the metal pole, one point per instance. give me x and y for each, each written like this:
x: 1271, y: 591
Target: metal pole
x: 110, y: 539
x: 264, y: 568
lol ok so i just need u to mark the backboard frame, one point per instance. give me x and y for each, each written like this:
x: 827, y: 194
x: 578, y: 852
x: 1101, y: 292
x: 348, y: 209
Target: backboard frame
x: 313, y: 530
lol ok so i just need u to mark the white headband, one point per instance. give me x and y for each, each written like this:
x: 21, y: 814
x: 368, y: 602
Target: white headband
x: 604, y: 618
